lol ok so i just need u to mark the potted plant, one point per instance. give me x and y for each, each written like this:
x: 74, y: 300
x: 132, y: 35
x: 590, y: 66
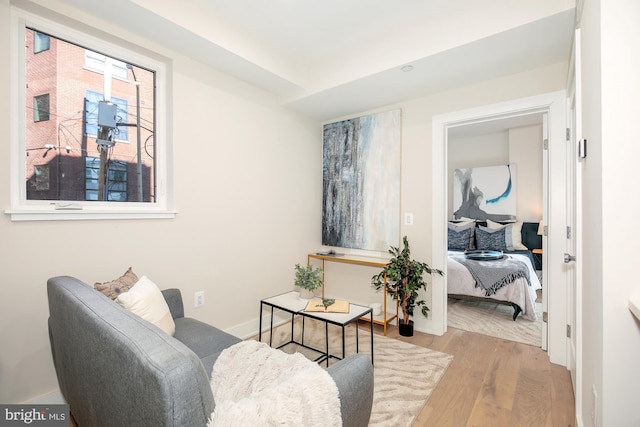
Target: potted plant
x: 309, y: 279
x: 402, y: 278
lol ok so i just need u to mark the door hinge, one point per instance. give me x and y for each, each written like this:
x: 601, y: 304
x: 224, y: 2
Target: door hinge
x: 568, y: 134
x: 545, y: 144
x: 545, y: 317
x: 568, y: 331
x: 568, y: 232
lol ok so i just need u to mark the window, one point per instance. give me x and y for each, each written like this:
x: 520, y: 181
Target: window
x: 42, y: 177
x: 115, y: 188
x: 76, y: 159
x: 91, y: 102
x: 41, y: 42
x: 41, y: 108
x: 99, y: 63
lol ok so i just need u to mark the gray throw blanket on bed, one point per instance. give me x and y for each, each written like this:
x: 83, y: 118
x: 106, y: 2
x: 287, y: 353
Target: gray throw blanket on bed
x: 491, y: 276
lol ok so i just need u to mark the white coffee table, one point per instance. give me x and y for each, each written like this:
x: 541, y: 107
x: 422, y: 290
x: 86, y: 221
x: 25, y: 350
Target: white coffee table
x: 291, y: 303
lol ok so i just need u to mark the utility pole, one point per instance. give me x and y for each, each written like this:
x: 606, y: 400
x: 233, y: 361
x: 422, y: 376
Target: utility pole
x: 139, y: 141
x: 107, y: 117
x: 104, y: 167
x: 106, y: 121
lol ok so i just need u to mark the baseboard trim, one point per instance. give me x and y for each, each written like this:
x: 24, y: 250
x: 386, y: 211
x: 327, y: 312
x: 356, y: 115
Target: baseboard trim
x: 52, y: 398
x: 250, y: 329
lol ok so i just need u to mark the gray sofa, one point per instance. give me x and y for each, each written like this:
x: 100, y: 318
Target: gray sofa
x: 116, y: 369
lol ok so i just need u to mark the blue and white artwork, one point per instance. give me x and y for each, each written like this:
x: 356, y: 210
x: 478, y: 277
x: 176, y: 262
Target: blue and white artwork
x: 361, y: 182
x: 485, y: 193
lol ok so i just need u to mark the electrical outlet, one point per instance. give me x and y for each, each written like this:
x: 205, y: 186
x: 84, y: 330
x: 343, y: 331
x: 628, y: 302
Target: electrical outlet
x: 198, y: 299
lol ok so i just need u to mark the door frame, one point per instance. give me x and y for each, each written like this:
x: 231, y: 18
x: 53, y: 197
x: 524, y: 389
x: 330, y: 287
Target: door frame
x: 554, y: 105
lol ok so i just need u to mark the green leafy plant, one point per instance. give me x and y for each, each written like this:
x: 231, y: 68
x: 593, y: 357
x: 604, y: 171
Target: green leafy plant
x: 307, y: 277
x: 402, y: 278
x: 327, y: 302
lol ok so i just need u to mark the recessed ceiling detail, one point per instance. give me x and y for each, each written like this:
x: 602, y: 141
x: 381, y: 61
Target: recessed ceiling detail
x: 333, y: 58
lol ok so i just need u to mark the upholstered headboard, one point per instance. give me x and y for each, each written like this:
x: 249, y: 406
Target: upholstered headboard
x: 530, y: 237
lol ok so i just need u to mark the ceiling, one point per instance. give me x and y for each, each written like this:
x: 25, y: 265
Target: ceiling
x: 495, y: 125
x: 334, y: 58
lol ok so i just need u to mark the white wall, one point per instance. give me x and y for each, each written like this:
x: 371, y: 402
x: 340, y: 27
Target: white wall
x: 521, y: 146
x: 489, y: 149
x: 249, y: 206
x: 416, y: 170
x: 611, y: 89
x: 525, y: 150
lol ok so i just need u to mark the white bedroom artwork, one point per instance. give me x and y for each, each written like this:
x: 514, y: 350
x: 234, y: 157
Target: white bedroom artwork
x: 485, y: 193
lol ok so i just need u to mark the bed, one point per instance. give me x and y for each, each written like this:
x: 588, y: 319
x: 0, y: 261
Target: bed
x: 517, y: 290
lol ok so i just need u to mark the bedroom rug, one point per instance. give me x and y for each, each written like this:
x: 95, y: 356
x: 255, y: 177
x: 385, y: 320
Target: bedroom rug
x: 404, y: 374
x: 495, y: 320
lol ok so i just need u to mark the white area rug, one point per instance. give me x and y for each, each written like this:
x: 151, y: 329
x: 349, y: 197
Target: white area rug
x: 495, y: 320
x: 404, y: 374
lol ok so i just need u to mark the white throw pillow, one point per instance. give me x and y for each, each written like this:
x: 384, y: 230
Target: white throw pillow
x: 516, y: 233
x: 145, y: 299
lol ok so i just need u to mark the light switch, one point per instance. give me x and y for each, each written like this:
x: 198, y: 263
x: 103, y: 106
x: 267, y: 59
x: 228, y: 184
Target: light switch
x: 408, y: 218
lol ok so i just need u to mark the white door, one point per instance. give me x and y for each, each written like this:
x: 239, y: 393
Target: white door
x: 570, y: 251
x: 573, y: 254
x: 546, y: 282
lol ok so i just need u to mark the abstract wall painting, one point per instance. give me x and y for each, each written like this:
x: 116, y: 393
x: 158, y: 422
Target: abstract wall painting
x: 361, y: 182
x: 485, y: 193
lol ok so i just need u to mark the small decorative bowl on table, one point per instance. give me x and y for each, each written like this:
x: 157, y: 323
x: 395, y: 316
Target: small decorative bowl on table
x: 483, y: 255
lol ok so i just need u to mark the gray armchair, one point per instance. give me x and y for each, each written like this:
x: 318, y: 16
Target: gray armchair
x: 116, y: 369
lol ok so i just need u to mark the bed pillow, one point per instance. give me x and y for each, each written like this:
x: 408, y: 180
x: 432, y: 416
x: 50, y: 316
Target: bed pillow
x: 145, y: 299
x: 115, y: 287
x: 516, y: 233
x: 458, y: 231
x: 508, y: 234
x: 488, y: 239
x: 459, y: 240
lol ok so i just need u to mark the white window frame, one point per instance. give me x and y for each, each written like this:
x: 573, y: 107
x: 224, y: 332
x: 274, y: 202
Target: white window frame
x: 35, y: 210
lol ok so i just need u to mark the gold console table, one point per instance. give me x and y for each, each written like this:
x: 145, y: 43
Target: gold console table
x: 382, y: 319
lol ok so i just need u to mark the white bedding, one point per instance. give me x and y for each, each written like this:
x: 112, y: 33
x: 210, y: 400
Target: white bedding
x: 460, y: 282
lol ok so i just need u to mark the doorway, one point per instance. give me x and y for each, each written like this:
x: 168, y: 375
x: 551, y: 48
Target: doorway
x: 552, y: 105
x: 517, y: 141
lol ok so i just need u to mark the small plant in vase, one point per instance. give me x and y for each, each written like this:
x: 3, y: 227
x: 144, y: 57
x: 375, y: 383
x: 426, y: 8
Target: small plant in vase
x: 402, y: 278
x: 308, y: 279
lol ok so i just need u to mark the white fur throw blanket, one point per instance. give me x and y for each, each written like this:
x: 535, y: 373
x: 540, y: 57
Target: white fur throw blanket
x: 256, y: 385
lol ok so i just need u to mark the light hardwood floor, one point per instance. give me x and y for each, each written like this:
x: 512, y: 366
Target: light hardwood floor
x: 494, y: 382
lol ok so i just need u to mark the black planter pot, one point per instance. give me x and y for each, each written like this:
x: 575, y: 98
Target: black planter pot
x: 406, y: 330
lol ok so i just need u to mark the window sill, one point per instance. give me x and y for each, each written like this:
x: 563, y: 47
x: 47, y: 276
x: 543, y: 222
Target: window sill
x: 52, y: 214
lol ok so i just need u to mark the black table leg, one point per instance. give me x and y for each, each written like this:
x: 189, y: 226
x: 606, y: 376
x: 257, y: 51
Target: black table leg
x: 292, y: 321
x: 371, y: 323
x: 271, y: 329
x: 326, y: 337
x: 343, y: 355
x: 260, y: 327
